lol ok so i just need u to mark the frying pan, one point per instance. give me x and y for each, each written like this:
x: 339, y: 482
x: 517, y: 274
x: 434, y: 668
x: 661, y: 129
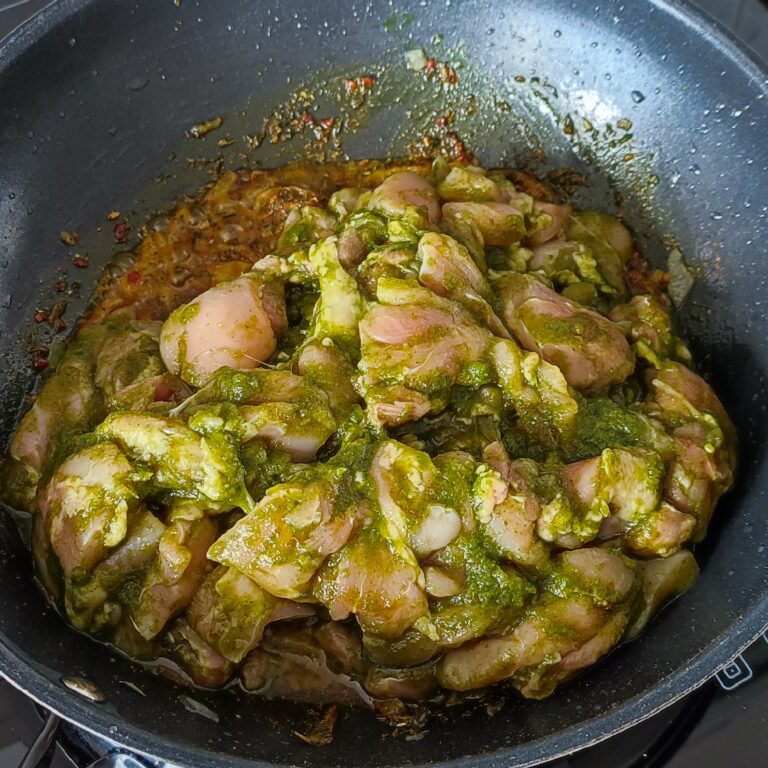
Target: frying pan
x: 95, y: 99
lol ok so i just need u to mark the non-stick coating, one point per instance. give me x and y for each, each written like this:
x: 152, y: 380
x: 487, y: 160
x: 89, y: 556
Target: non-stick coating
x: 95, y: 95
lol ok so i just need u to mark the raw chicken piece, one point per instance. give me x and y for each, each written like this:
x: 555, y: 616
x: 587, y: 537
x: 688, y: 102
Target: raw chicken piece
x: 291, y: 663
x: 468, y: 183
x: 130, y: 372
x: 233, y: 324
x: 203, y: 664
x: 376, y: 578
x: 404, y: 190
x: 67, y: 402
x: 608, y: 241
x: 97, y: 601
x: 181, y: 460
x: 174, y: 575
x: 590, y: 350
x: 701, y: 456
x: 86, y: 506
x: 581, y: 614
x: 510, y: 523
x: 550, y: 220
x: 663, y: 578
x: 498, y: 224
x: 417, y: 340
x: 282, y: 543
x: 405, y: 481
x: 624, y: 483
x: 325, y: 366
x: 340, y: 306
x: 230, y: 612
x: 646, y: 323
x: 448, y: 270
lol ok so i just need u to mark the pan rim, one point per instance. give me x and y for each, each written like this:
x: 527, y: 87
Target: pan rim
x: 643, y: 705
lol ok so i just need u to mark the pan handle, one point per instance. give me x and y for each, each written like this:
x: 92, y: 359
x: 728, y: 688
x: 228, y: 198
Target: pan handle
x: 41, y: 744
x: 117, y: 760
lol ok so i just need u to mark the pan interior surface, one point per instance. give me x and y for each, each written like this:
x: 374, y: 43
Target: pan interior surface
x: 97, y: 97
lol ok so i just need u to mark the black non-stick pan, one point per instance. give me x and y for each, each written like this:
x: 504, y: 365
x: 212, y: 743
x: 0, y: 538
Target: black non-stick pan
x: 658, y: 110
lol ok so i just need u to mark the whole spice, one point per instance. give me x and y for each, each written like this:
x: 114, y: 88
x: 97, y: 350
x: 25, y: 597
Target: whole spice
x: 121, y: 232
x: 68, y: 237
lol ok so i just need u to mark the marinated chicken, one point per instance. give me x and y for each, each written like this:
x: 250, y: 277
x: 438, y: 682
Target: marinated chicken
x: 360, y: 432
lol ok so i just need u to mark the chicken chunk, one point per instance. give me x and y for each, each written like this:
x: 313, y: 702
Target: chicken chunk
x: 98, y: 601
x: 405, y: 481
x: 404, y: 190
x: 292, y: 530
x: 292, y: 664
x: 230, y: 612
x: 174, y: 575
x: 590, y: 350
x: 340, y: 307
x: 180, y: 460
x: 701, y: 455
x: 663, y: 578
x: 581, y: 614
x: 86, y: 506
x: 376, y: 578
x: 233, y: 324
x: 497, y: 224
x: 549, y: 220
x: 448, y: 270
x: 415, y: 340
x: 647, y: 324
x: 68, y: 402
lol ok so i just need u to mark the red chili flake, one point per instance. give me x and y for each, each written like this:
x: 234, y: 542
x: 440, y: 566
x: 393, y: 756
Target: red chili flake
x: 40, y: 364
x: 440, y: 121
x: 450, y: 76
x: 309, y: 118
x: 80, y: 261
x: 41, y: 316
x: 327, y: 122
x: 133, y: 276
x: 121, y: 232
x: 430, y: 66
x: 364, y: 83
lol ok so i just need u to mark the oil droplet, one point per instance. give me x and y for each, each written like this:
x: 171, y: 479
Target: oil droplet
x: 558, y: 33
x: 637, y: 96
